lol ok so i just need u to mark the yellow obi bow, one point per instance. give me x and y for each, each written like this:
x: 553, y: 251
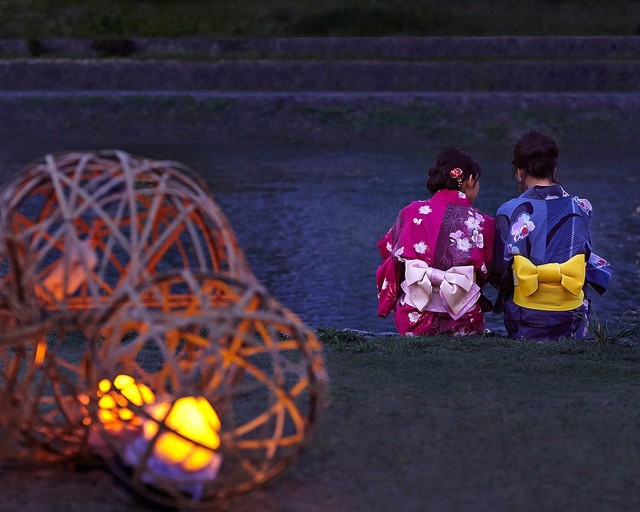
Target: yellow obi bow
x: 550, y: 287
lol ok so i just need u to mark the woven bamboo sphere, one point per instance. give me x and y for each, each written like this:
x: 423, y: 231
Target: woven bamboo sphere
x: 80, y: 231
x: 131, y: 327
x: 233, y: 348
x: 39, y: 411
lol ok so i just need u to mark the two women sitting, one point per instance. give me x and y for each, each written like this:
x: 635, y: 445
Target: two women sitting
x: 537, y: 252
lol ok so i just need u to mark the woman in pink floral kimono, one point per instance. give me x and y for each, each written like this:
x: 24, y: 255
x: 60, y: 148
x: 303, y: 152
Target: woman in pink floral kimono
x: 438, y: 254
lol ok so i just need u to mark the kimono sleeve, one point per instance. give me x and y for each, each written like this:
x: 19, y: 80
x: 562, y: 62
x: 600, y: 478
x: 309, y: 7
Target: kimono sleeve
x: 388, y: 273
x: 501, y: 277
x: 404, y: 241
x: 599, y: 272
x: 485, y: 267
x: 501, y: 262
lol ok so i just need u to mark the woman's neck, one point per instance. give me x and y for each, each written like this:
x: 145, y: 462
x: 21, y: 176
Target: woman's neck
x: 531, y: 182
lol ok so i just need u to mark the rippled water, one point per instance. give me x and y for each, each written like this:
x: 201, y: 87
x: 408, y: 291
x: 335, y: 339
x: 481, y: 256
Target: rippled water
x: 308, y: 218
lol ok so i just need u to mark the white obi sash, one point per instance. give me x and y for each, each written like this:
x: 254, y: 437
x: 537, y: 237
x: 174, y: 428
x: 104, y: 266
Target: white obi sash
x: 452, y: 291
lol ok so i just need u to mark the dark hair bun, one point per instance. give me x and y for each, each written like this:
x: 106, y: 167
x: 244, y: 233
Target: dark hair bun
x: 439, y: 176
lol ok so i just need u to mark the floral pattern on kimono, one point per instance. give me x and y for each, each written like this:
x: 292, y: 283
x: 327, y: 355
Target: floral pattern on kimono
x: 546, y: 225
x: 444, y: 231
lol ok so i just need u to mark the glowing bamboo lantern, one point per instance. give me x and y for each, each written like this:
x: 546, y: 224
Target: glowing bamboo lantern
x: 120, y: 265
x: 235, y: 351
x: 79, y: 232
x: 80, y: 228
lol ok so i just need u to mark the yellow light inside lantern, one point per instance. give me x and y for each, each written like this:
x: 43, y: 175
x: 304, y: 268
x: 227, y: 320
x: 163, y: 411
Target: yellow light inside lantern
x: 198, y: 425
x: 137, y: 394
x: 113, y: 403
x: 107, y: 402
x: 104, y: 385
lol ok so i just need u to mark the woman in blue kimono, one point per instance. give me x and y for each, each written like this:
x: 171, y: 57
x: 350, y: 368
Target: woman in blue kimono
x: 543, y: 254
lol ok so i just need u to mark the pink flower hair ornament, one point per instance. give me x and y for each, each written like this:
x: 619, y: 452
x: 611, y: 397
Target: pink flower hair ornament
x: 456, y: 174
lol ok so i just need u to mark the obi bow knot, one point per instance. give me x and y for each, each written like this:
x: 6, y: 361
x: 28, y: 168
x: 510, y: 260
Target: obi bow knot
x: 552, y: 286
x: 453, y: 291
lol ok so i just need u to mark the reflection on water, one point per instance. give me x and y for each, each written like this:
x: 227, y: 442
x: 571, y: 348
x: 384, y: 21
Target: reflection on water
x: 308, y: 219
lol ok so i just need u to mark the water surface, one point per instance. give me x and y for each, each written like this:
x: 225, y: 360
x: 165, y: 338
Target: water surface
x: 308, y: 218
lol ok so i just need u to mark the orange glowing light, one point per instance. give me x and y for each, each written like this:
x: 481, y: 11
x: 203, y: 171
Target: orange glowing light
x: 41, y: 352
x: 114, y: 412
x: 66, y: 275
x: 197, y: 424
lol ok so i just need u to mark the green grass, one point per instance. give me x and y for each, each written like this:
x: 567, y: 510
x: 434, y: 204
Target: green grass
x: 267, y: 18
x: 477, y: 424
x: 481, y: 423
x: 365, y: 121
x: 474, y: 424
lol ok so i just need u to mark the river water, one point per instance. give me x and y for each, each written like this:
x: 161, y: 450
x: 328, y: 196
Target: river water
x: 308, y: 218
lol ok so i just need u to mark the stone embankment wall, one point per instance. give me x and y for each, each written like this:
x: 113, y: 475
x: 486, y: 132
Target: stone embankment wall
x: 433, y: 90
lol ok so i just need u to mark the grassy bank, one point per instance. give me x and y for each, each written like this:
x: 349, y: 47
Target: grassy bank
x: 436, y: 423
x: 103, y: 119
x: 486, y: 424
x: 257, y: 18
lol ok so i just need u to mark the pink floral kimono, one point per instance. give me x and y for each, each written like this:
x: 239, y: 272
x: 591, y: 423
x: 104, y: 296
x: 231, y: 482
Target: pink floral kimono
x: 436, y: 257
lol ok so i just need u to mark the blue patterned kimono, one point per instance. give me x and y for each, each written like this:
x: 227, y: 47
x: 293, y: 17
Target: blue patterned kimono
x: 545, y: 225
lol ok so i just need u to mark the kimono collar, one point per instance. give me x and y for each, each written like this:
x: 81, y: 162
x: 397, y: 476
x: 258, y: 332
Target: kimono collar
x: 548, y: 192
x: 451, y: 196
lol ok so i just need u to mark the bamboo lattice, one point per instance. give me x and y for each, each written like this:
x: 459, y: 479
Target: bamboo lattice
x: 116, y: 265
x: 253, y: 360
x: 80, y: 229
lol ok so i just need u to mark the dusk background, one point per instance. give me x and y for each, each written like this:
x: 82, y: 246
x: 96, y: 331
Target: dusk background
x: 313, y: 123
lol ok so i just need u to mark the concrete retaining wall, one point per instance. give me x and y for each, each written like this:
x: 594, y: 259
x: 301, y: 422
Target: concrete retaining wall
x: 559, y: 64
x: 310, y: 90
x: 413, y: 48
x: 293, y: 76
